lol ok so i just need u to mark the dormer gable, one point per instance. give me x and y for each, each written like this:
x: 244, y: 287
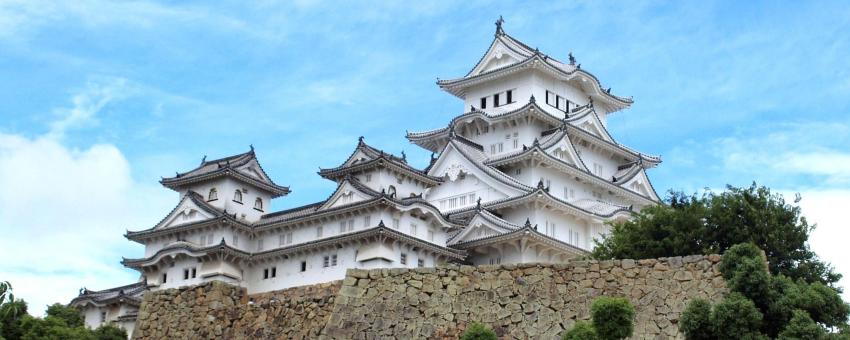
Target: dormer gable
x: 348, y: 192
x: 243, y: 167
x: 192, y: 208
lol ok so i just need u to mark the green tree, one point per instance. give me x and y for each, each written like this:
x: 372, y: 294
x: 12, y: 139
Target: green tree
x: 478, y: 331
x: 11, y: 314
x: 612, y: 317
x: 71, y: 316
x: 736, y: 317
x: 696, y: 321
x: 802, y: 327
x: 714, y: 222
x: 582, y: 330
x: 110, y: 332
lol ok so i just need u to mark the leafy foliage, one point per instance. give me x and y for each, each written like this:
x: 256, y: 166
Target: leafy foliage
x: 612, y: 317
x: 61, y: 322
x: 802, y: 326
x: 712, y: 223
x: 478, y: 331
x: 696, y: 321
x: 764, y: 305
x: 582, y: 330
x: 736, y: 317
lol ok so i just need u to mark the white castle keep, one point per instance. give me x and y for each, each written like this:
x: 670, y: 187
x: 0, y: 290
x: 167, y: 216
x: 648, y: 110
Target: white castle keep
x: 529, y: 173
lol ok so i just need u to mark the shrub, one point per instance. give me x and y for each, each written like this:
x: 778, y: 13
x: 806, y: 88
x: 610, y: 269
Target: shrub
x: 696, y: 321
x: 110, y: 332
x: 736, y: 317
x: 582, y: 330
x: 612, y: 317
x: 478, y: 331
x: 802, y: 326
x: 735, y: 255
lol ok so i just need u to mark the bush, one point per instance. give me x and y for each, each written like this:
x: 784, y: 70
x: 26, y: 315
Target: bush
x: 110, y: 332
x: 696, y: 321
x: 582, y: 330
x: 478, y: 331
x: 802, y: 326
x: 735, y: 255
x: 736, y: 317
x: 612, y: 317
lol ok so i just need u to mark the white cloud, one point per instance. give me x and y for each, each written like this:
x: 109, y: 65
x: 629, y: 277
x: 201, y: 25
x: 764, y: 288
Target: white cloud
x: 98, y: 93
x: 65, y: 209
x: 826, y: 209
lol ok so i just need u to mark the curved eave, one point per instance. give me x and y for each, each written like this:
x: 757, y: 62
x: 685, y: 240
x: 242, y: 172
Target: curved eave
x: 175, y: 183
x: 186, y: 249
x: 381, y: 200
x: 436, y: 140
x: 492, y: 172
x: 542, y: 194
x: 538, y: 153
x: 125, y: 299
x: 340, y: 172
x: 140, y: 236
x: 524, y: 232
x: 378, y: 231
x: 614, y: 147
x: 458, y: 86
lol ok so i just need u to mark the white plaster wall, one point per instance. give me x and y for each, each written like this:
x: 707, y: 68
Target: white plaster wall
x: 469, y: 184
x: 226, y: 188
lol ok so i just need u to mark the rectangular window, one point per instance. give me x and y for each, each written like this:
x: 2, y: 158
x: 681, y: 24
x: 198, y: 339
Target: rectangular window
x: 484, y: 102
x: 492, y: 148
x: 495, y: 260
x: 326, y: 261
x: 351, y: 225
x: 319, y: 231
x: 102, y: 317
x: 342, y: 227
x: 496, y: 100
x: 597, y: 169
x: 287, y: 238
x: 303, y: 266
x: 518, y: 171
x: 260, y: 244
x: 501, y: 147
x: 281, y: 239
x: 420, y: 263
x: 265, y: 273
x: 396, y: 221
x: 164, y: 277
x: 413, y: 228
x: 209, y: 239
x: 548, y: 101
x: 471, y: 197
x: 274, y: 271
x: 431, y: 235
x: 509, y: 96
x: 194, y: 273
x: 185, y: 274
x: 403, y: 259
x: 333, y: 260
x: 367, y: 221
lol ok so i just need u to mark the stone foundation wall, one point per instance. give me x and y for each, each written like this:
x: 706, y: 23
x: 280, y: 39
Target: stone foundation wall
x: 221, y: 311
x: 527, y: 301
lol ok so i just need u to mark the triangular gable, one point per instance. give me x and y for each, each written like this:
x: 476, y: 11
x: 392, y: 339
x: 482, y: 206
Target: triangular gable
x: 357, y: 157
x: 639, y: 183
x: 590, y: 122
x: 187, y: 211
x: 565, y: 151
x: 498, y: 55
x: 452, y: 164
x: 346, y: 193
x: 252, y: 169
x: 480, y: 227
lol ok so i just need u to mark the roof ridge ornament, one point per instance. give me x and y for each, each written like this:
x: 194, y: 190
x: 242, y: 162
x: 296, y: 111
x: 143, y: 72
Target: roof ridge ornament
x: 499, y: 30
x: 527, y: 223
x: 572, y: 58
x: 532, y: 100
x: 252, y: 147
x: 403, y: 156
x: 360, y: 140
x: 204, y: 160
x: 381, y: 224
x: 478, y: 204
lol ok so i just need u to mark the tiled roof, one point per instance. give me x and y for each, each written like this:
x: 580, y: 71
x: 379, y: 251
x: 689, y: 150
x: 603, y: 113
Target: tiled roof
x: 375, y: 158
x: 130, y: 294
x: 228, y: 166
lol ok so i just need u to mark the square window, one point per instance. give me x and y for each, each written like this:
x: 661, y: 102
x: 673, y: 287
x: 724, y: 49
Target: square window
x: 403, y: 259
x: 420, y: 263
x: 333, y: 260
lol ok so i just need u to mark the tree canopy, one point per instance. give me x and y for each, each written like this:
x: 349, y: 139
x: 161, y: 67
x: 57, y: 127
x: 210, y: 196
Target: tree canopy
x: 713, y: 222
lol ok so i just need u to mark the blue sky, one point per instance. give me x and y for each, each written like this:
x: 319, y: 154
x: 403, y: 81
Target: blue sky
x: 99, y: 99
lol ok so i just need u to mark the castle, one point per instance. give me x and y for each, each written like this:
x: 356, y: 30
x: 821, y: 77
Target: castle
x: 529, y: 173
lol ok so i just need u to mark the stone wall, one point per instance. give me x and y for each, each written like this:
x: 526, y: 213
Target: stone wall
x: 518, y: 301
x: 220, y: 311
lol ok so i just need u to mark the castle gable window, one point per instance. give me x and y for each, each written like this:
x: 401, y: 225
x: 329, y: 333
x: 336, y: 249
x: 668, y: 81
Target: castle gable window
x: 213, y: 195
x: 258, y: 204
x: 237, y: 196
